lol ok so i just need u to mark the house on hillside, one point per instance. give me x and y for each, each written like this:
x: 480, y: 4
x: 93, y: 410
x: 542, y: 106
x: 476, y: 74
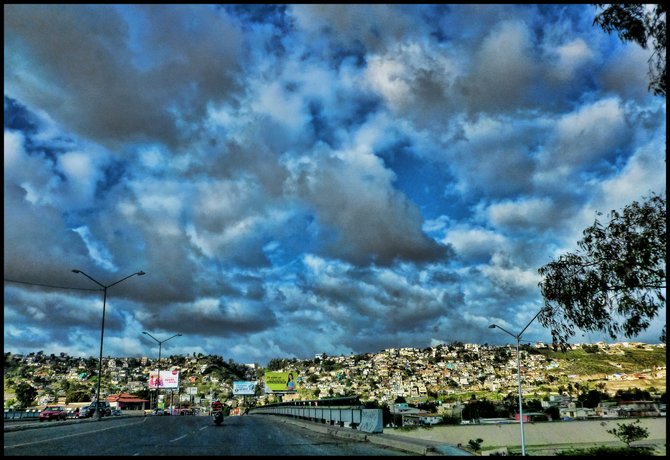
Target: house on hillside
x: 576, y: 413
x: 639, y: 409
x: 607, y: 409
x: 533, y: 417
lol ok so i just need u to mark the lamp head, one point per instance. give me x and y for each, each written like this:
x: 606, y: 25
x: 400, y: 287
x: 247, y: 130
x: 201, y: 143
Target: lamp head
x: 140, y: 273
x: 178, y: 335
x: 144, y: 332
x: 492, y: 326
x: 75, y: 271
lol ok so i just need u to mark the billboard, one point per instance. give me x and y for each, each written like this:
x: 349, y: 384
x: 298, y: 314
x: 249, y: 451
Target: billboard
x: 280, y: 382
x: 166, y: 379
x: 244, y: 388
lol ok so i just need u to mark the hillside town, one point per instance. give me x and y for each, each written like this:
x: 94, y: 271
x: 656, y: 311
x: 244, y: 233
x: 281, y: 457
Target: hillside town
x: 449, y: 374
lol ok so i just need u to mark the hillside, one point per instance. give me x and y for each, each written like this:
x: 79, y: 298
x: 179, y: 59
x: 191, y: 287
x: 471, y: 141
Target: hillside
x: 444, y: 371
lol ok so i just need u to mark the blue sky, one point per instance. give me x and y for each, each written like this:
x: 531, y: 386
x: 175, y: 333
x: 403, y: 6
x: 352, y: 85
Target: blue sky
x: 300, y: 179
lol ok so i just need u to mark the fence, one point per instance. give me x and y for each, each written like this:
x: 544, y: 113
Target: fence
x: 30, y: 414
x: 22, y: 414
x: 352, y: 416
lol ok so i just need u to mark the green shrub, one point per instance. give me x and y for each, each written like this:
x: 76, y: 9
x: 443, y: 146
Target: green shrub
x: 608, y: 451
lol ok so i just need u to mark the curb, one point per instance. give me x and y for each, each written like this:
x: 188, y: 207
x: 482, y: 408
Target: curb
x: 21, y: 426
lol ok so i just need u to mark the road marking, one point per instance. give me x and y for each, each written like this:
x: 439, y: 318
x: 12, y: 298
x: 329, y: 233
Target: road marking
x: 75, y: 434
x: 203, y: 428
x: 177, y: 439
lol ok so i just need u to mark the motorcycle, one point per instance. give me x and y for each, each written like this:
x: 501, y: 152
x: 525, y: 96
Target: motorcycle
x: 217, y: 416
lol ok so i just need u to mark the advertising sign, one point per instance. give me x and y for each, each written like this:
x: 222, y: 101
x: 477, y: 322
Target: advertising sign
x: 280, y: 382
x: 167, y: 379
x: 244, y: 388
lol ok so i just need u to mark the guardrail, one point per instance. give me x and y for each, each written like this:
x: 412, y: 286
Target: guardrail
x: 355, y: 417
x: 22, y: 414
x: 31, y: 414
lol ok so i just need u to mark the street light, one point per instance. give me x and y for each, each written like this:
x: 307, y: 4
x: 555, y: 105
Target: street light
x: 102, y: 329
x: 158, y: 370
x: 518, y: 370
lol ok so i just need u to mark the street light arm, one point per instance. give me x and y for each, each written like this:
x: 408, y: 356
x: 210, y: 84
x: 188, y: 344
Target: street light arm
x: 176, y: 335
x: 94, y: 280
x: 505, y: 330
x: 160, y: 342
x: 140, y: 273
x: 146, y: 333
x: 534, y: 317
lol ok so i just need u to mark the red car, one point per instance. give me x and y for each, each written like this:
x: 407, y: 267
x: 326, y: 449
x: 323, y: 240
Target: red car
x: 53, y: 413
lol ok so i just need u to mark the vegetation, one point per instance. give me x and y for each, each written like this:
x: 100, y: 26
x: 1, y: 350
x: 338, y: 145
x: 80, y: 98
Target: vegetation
x: 612, y: 452
x: 615, y: 282
x: 581, y: 362
x: 637, y: 23
x: 475, y: 444
x: 629, y: 432
x: 25, y: 394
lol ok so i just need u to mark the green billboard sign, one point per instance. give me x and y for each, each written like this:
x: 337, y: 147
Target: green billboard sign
x: 280, y: 382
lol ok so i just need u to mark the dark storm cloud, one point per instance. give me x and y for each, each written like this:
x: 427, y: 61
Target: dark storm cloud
x: 114, y: 81
x: 298, y: 179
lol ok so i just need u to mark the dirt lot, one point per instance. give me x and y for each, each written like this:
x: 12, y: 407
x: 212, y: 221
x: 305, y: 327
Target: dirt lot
x: 540, y: 437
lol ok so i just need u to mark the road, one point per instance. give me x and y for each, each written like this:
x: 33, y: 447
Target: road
x: 247, y: 435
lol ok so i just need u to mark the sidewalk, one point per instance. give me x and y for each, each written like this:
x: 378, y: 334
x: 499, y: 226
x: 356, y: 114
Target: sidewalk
x: 412, y: 445
x: 539, y: 436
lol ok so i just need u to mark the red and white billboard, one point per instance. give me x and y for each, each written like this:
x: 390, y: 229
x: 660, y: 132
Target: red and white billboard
x: 166, y: 379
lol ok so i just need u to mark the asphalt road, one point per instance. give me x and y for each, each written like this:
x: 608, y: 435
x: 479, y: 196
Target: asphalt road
x: 190, y: 435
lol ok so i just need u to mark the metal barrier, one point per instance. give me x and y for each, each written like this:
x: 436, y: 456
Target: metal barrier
x: 355, y: 417
x: 22, y: 414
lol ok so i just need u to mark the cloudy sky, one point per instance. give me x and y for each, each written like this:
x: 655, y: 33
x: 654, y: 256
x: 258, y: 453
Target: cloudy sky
x: 299, y: 179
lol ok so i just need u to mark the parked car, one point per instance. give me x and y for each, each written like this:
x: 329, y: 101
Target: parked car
x: 157, y: 412
x: 53, y: 413
x: 86, y: 412
x: 117, y: 412
x: 89, y: 411
x: 104, y: 406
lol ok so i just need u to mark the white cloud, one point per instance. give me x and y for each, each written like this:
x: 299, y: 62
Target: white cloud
x: 98, y: 253
x: 337, y: 178
x: 571, y: 57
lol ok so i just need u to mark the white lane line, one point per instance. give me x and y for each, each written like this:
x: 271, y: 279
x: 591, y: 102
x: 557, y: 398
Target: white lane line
x: 177, y: 439
x: 203, y: 428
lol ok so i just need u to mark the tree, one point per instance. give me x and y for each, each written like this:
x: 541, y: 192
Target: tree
x: 643, y: 25
x: 476, y: 444
x: 630, y: 432
x: 25, y: 394
x: 615, y: 282
x: 592, y: 398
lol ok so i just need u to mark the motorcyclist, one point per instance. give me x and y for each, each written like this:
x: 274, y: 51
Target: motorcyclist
x: 217, y: 406
x: 217, y: 412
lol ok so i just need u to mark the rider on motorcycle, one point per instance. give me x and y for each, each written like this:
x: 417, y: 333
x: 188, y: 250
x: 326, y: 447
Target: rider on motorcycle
x: 217, y: 412
x: 217, y: 406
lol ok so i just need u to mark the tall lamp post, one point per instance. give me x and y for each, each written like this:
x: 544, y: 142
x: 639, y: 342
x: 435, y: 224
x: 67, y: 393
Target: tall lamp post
x: 102, y: 329
x: 518, y: 370
x: 160, y: 345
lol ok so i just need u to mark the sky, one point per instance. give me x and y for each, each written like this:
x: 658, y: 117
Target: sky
x: 304, y: 179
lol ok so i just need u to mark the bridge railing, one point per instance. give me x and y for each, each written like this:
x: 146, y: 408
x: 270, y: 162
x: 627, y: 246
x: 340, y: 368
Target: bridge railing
x: 355, y: 417
x: 31, y: 414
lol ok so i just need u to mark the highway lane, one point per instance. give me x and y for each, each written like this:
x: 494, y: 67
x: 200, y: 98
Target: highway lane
x: 247, y: 435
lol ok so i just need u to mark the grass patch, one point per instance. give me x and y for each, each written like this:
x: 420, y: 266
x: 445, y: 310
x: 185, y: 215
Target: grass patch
x: 580, y: 362
x: 609, y: 451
